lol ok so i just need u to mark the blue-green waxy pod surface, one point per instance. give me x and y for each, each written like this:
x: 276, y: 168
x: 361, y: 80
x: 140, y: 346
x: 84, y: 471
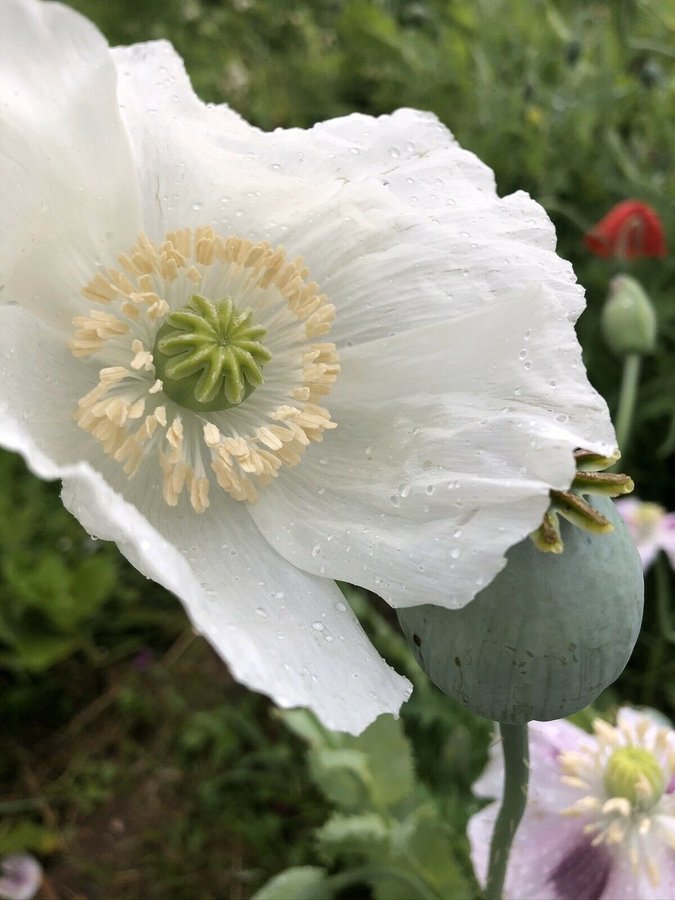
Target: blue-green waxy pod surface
x: 546, y: 636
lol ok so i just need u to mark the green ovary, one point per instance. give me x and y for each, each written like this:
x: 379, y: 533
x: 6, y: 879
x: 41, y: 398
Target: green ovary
x: 209, y: 356
x: 634, y: 773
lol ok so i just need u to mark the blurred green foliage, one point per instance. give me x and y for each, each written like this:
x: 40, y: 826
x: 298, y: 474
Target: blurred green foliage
x: 388, y: 829
x: 570, y: 101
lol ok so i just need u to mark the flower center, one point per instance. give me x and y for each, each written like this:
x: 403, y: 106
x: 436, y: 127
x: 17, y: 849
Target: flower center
x: 647, y: 519
x: 623, y: 775
x: 209, y: 356
x: 178, y: 377
x: 634, y: 773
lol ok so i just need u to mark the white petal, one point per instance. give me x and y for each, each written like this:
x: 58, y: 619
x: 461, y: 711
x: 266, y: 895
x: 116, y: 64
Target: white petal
x: 413, y: 202
x: 70, y: 195
x: 282, y: 631
x: 187, y: 180
x: 444, y: 454
x: 371, y: 226
x: 40, y: 385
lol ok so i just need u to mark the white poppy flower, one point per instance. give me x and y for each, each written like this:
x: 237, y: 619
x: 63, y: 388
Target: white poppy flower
x: 600, y: 819
x: 414, y: 391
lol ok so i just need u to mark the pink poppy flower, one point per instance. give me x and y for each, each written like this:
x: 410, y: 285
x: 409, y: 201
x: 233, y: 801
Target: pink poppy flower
x: 600, y: 820
x: 652, y: 528
x: 20, y: 877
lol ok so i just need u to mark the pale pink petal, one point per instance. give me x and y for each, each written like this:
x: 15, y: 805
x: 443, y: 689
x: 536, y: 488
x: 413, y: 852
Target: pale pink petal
x: 551, y: 858
x: 20, y: 877
x: 667, y: 537
x: 626, y: 884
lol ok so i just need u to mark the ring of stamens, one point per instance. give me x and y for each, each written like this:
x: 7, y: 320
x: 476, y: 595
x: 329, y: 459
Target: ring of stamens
x: 622, y: 807
x: 132, y: 416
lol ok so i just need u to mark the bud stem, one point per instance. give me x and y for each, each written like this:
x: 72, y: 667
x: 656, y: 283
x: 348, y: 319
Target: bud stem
x: 516, y: 777
x: 627, y: 398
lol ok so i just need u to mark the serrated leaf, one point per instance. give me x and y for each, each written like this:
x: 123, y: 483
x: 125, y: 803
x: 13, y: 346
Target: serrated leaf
x: 390, y: 760
x: 343, y: 776
x: 298, y: 883
x: 359, y: 836
x: 426, y: 840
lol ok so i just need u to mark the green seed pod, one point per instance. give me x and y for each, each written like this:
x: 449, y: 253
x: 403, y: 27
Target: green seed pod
x: 546, y: 636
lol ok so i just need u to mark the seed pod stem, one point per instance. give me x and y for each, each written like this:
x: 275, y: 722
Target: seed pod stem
x: 516, y: 778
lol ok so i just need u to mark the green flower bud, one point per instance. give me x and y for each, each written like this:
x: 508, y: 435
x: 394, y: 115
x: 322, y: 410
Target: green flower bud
x: 546, y: 636
x: 628, y: 318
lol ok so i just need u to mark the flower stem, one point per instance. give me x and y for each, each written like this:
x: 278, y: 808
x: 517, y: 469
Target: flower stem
x: 627, y: 397
x: 516, y: 776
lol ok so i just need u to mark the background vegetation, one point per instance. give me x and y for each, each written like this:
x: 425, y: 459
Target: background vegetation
x: 136, y: 766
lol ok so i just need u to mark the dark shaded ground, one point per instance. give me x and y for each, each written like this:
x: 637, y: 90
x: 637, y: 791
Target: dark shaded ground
x: 171, y: 782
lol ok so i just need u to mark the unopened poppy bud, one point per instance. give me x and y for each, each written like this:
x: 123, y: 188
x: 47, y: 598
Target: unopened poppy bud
x: 630, y: 230
x: 628, y: 318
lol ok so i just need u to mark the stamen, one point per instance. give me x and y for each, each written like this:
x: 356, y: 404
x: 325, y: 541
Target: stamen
x: 623, y: 776
x: 133, y: 410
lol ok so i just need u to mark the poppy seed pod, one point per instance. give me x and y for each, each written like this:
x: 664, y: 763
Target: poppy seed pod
x: 546, y: 636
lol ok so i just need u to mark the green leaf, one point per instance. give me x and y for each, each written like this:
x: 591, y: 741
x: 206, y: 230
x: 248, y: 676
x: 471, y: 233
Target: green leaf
x: 365, y: 836
x: 426, y: 840
x: 343, y: 776
x: 298, y: 883
x: 29, y: 837
x: 390, y: 760
x: 307, y: 727
x: 37, y: 651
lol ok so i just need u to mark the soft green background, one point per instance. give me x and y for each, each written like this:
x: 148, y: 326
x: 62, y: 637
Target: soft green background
x: 136, y: 767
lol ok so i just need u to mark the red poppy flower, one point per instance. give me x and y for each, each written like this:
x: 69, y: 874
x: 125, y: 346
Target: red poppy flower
x: 630, y: 230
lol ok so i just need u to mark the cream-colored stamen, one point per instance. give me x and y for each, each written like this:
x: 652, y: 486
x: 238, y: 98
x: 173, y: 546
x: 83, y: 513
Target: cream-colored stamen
x: 128, y: 411
x: 622, y: 774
